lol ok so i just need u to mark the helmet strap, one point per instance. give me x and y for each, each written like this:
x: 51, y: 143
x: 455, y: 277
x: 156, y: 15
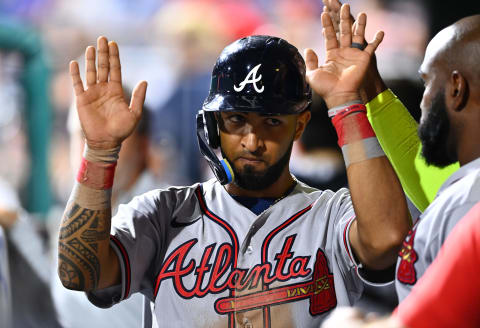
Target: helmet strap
x: 220, y: 167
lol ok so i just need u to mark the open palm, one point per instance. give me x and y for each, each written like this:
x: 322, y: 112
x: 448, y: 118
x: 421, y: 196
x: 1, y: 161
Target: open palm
x: 340, y: 77
x: 105, y: 116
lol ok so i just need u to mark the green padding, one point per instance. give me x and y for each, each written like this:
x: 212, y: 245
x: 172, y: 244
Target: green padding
x: 35, y: 80
x: 396, y: 131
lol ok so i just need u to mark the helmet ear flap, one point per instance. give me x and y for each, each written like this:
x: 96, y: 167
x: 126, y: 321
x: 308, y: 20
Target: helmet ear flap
x: 211, y: 129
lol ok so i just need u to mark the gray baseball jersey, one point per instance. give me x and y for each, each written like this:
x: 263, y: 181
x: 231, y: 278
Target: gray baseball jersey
x: 204, y: 260
x: 454, y: 199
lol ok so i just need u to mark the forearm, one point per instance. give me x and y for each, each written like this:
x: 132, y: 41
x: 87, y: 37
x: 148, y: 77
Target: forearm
x: 85, y: 258
x: 397, y: 133
x: 372, y: 84
x: 380, y: 206
x: 382, y: 219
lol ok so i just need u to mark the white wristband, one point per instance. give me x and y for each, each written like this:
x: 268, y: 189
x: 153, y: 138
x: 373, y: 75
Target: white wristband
x: 101, y: 155
x: 333, y: 111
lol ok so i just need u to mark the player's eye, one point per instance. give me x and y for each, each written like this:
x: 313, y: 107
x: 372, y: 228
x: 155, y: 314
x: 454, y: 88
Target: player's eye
x: 236, y: 118
x: 273, y: 121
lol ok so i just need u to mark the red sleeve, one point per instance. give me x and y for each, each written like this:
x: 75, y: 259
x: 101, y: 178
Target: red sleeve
x: 448, y: 294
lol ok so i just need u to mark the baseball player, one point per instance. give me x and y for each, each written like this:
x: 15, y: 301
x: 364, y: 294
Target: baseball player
x: 396, y: 131
x: 253, y: 247
x: 445, y: 296
x: 448, y: 133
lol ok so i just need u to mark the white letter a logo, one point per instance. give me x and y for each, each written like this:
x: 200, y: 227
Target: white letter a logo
x: 251, y: 78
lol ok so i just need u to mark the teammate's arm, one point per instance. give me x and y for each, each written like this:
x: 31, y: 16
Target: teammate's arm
x: 397, y: 133
x: 382, y: 219
x: 85, y: 259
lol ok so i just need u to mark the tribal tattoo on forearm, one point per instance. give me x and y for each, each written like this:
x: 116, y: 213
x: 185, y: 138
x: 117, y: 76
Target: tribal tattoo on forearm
x: 84, y: 242
x: 83, y: 234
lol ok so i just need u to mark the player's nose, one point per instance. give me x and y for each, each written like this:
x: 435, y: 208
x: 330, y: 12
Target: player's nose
x: 252, y: 140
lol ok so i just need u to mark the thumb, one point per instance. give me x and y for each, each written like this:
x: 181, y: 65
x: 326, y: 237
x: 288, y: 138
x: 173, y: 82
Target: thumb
x: 311, y: 59
x: 138, y: 98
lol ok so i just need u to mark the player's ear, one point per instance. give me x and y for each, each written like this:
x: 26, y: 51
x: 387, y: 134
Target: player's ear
x: 457, y: 91
x: 302, y: 121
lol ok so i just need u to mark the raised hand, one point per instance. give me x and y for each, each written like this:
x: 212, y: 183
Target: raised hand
x: 339, y: 78
x: 373, y: 83
x: 332, y: 7
x: 105, y: 116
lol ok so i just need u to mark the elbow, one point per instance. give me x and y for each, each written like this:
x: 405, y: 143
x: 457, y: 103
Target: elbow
x: 392, y: 242
x: 383, y: 253
x: 71, y: 276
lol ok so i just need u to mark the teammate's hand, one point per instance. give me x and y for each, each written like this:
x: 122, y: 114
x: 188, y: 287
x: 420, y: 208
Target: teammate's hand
x: 373, y: 83
x: 332, y: 8
x: 105, y: 116
x: 339, y: 79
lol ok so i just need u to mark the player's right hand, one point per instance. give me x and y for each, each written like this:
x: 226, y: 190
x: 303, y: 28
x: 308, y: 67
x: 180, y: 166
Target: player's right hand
x: 105, y: 116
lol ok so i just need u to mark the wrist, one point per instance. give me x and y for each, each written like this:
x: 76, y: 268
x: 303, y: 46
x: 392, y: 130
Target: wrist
x: 106, y: 155
x: 103, y: 145
x: 340, y: 99
x: 372, y: 86
x: 356, y: 137
x: 97, y: 169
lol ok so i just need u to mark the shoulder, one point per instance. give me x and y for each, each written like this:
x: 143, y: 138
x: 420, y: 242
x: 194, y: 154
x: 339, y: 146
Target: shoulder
x: 167, y: 198
x: 324, y: 198
x: 315, y: 193
x: 465, y: 189
x: 469, y: 226
x: 449, y: 208
x: 462, y: 193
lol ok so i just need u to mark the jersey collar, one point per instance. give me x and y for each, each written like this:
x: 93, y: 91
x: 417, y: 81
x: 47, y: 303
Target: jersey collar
x: 462, y: 172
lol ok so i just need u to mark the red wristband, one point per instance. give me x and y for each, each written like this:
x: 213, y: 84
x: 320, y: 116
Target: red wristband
x: 349, y: 134
x: 96, y: 175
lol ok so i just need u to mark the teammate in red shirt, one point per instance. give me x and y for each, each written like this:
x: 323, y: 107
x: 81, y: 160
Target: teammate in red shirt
x: 447, y: 295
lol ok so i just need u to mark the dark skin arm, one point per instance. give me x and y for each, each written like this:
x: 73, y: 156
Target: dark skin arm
x: 86, y: 260
x: 382, y: 218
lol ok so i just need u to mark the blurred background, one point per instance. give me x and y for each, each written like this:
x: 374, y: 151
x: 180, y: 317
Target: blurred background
x: 173, y: 44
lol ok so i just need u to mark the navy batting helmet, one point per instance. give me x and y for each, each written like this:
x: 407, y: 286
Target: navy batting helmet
x: 258, y: 73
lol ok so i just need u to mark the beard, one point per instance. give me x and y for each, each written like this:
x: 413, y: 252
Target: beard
x: 249, y: 179
x: 434, y: 134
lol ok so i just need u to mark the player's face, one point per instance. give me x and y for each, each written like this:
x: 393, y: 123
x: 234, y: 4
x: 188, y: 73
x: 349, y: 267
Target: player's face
x: 258, y: 147
x: 435, y: 127
x: 434, y: 132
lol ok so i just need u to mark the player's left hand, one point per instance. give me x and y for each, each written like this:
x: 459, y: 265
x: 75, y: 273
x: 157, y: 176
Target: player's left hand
x: 339, y: 78
x: 348, y: 317
x: 345, y: 317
